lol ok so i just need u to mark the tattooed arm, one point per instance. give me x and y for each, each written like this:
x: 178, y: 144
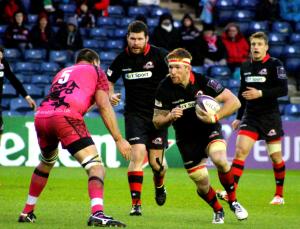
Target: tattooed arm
x: 164, y: 118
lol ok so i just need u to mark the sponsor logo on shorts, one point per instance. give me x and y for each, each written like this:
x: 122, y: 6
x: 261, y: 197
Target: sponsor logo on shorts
x: 272, y: 132
x: 263, y: 72
x: 157, y: 141
x: 281, y: 72
x: 134, y: 139
x: 187, y: 105
x: 243, y: 125
x: 188, y: 162
x: 247, y: 73
x: 138, y: 75
x: 214, y: 134
x: 178, y: 101
x: 255, y: 79
x: 126, y: 69
x: 109, y: 72
x: 148, y: 65
x: 158, y: 103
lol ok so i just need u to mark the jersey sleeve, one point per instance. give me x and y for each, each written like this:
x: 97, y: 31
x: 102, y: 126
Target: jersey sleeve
x: 279, y: 79
x: 102, y: 82
x: 212, y: 87
x: 161, y: 99
x: 13, y: 79
x: 114, y: 71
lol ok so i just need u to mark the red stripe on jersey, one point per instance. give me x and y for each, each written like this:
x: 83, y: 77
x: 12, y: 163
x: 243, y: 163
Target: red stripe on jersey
x: 249, y: 133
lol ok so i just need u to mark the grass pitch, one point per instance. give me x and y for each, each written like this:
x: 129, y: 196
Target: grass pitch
x: 65, y: 203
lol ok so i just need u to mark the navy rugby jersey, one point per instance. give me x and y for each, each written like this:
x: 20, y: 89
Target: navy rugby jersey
x: 169, y: 96
x: 267, y: 75
x: 141, y: 75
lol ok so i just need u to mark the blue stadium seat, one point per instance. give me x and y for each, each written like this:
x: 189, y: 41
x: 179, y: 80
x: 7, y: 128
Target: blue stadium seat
x: 152, y: 22
x: 198, y: 69
x: 281, y: 27
x: 59, y: 56
x: 9, y: 91
x: 120, y: 33
x: 32, y: 18
x: 292, y: 110
x: 12, y: 54
x: 115, y: 11
x: 98, y: 33
x: 134, y: 11
x: 85, y: 32
x: 35, y: 55
x: 284, y: 99
x: 295, y: 38
x: 47, y: 90
x: 19, y: 104
x: 40, y: 79
x: 243, y: 27
x: 107, y: 56
x: 243, y: 15
x: 291, y: 51
x: 224, y: 16
x: 91, y: 43
x: 247, y: 4
x: 106, y: 22
x: 276, y: 50
x: 33, y: 90
x: 225, y: 4
x: 297, y: 27
x: 114, y: 45
x: 277, y: 38
x: 219, y: 72
x: 255, y: 26
x: 68, y: 9
x: 158, y: 11
x: 26, y: 67
x: 292, y: 65
x: 2, y: 30
x: 124, y: 22
x: 24, y: 78
x: 6, y: 104
x: 50, y: 68
x: 233, y: 83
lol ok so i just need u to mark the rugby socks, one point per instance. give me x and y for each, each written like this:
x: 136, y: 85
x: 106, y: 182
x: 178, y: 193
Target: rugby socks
x: 279, y: 173
x: 211, y: 199
x: 227, y: 181
x: 135, y: 179
x: 38, y: 182
x: 237, y: 169
x: 95, y: 188
x: 158, y: 180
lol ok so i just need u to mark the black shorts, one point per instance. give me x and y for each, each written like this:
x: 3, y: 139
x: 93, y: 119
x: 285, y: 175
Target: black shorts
x: 1, y: 125
x: 141, y: 130
x: 193, y: 149
x: 268, y: 126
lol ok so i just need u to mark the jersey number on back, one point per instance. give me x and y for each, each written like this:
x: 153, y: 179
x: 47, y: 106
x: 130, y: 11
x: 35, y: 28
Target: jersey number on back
x: 64, y: 77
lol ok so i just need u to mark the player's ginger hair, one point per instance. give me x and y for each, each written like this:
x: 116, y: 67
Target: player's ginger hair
x: 179, y: 53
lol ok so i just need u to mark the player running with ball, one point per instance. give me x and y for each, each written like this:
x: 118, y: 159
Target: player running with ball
x: 198, y: 133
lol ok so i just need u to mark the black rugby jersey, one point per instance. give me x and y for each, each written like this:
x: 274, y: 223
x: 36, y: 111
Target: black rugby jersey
x: 5, y: 71
x: 141, y: 75
x: 267, y: 75
x: 169, y: 96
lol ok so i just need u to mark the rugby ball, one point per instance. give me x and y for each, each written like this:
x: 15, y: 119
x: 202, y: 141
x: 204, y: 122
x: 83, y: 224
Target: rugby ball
x: 208, y: 103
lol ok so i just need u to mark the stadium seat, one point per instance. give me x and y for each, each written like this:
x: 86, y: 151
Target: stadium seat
x: 255, y: 26
x: 291, y: 51
x: 98, y: 33
x: 152, y: 22
x: 5, y: 104
x: 292, y: 110
x: 247, y: 4
x: 32, y: 18
x: 26, y: 67
x: 157, y: 11
x: 225, y: 4
x: 276, y: 50
x: 24, y: 78
x: 91, y: 43
x: 277, y: 38
x: 47, y: 90
x: 115, y: 11
x: 114, y: 45
x: 19, y: 104
x: 120, y: 33
x: 134, y: 11
x: 59, y: 56
x: 9, y: 91
x: 219, y: 72
x: 124, y: 22
x: 295, y: 38
x: 50, y: 68
x: 297, y: 27
x: 198, y: 69
x: 106, y: 22
x: 233, y: 83
x: 107, y: 56
x: 33, y: 90
x: 35, y: 55
x: 281, y: 27
x: 292, y: 65
x: 68, y: 9
x: 243, y: 27
x: 40, y: 79
x: 243, y: 15
x: 2, y: 30
x: 224, y: 16
x: 12, y: 54
x: 284, y: 99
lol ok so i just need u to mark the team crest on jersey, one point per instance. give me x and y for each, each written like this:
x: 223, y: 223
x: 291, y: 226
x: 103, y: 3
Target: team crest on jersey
x: 199, y: 93
x: 281, y: 72
x: 214, y: 134
x: 214, y: 85
x: 148, y: 65
x: 272, y: 132
x: 263, y: 72
x: 157, y: 141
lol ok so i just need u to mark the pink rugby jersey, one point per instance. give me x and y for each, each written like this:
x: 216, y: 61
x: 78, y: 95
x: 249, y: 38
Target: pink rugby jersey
x: 72, y: 91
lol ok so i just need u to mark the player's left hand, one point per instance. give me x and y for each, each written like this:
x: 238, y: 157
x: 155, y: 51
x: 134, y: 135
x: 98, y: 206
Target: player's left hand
x: 31, y: 102
x: 203, y: 115
x: 252, y: 93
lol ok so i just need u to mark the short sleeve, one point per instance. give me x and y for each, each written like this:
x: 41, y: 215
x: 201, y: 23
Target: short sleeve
x: 161, y: 99
x: 102, y: 82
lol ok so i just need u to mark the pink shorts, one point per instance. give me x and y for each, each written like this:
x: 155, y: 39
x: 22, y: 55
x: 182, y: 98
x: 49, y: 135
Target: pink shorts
x: 71, y: 132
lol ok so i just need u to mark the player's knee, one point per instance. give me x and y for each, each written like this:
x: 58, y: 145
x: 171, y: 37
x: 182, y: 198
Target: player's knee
x: 241, y: 152
x: 274, y: 148
x: 49, y: 160
x: 198, y: 173
x: 91, y: 162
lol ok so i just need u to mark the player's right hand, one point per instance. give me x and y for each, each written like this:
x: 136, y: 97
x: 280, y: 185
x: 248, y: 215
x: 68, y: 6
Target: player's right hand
x: 235, y: 124
x: 124, y: 147
x: 115, y: 99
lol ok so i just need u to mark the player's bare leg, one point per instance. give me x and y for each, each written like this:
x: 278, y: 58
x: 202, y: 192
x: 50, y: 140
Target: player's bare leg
x: 135, y: 177
x: 159, y: 167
